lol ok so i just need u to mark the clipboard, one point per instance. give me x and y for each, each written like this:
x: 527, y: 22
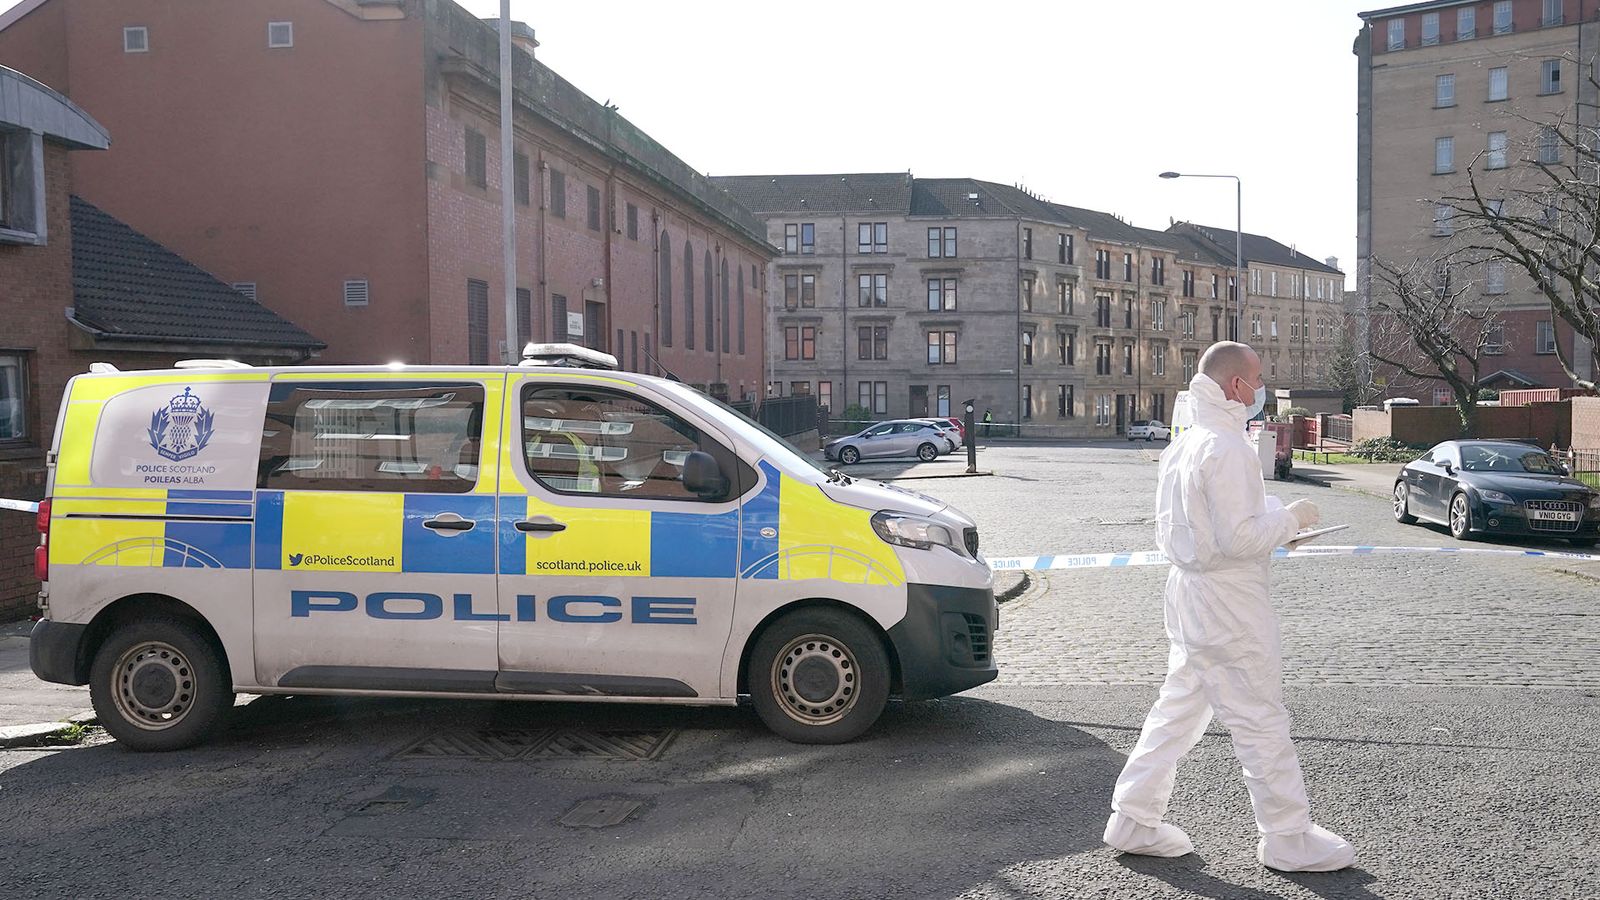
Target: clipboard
x: 1303, y: 536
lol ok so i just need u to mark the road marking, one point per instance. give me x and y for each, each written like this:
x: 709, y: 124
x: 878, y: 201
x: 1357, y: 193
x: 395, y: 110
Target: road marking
x: 1157, y: 558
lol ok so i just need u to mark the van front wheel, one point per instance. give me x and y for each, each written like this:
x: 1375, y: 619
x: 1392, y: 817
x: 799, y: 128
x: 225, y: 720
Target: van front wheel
x: 159, y: 684
x: 819, y: 676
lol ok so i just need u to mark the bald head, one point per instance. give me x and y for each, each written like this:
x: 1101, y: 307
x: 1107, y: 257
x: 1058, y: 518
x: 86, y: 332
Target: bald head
x: 1235, y: 367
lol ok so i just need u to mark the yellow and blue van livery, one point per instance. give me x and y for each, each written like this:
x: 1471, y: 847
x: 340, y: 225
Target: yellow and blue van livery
x: 529, y: 532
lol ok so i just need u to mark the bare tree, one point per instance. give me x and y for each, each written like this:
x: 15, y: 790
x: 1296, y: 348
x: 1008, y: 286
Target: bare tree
x: 1545, y: 221
x: 1431, y: 321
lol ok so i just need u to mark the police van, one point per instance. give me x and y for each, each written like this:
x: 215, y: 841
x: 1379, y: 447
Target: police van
x: 551, y: 531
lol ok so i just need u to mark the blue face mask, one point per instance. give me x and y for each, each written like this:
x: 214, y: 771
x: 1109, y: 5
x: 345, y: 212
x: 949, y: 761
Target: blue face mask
x: 1259, y: 404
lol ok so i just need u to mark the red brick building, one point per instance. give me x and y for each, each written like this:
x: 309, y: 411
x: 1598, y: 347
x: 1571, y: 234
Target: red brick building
x: 79, y: 286
x: 339, y: 160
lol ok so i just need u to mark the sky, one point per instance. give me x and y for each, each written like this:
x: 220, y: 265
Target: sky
x: 1083, y: 103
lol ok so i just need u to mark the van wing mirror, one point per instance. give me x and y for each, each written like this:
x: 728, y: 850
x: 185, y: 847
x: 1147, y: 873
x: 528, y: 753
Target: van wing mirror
x: 703, y: 477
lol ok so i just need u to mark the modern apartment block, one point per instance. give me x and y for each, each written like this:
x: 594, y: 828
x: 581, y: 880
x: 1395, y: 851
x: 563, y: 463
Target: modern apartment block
x: 1446, y: 87
x: 908, y: 296
x: 339, y: 161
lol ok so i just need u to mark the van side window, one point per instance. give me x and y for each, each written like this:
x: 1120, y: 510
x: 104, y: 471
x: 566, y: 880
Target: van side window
x: 409, y: 437
x: 588, y: 441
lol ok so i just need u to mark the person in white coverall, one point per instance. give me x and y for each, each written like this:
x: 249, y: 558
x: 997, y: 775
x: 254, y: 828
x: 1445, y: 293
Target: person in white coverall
x: 1218, y: 528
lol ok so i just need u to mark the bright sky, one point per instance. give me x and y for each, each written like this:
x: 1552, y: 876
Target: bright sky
x: 1082, y: 102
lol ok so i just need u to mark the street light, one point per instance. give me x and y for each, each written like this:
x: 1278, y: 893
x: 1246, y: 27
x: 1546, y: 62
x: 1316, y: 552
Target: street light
x: 1238, y: 243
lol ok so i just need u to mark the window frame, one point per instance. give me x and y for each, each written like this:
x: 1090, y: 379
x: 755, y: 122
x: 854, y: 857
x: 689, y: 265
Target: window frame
x: 1501, y: 74
x: 143, y: 31
x: 24, y: 399
x: 271, y: 44
x: 1444, y: 90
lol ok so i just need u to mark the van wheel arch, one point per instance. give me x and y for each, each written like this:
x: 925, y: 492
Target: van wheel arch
x: 135, y: 606
x: 896, y: 683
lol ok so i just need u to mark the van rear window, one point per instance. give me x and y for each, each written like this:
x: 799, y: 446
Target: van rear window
x: 407, y: 437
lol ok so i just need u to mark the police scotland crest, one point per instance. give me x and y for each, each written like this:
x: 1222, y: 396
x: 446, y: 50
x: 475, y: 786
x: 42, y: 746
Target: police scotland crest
x: 182, y: 428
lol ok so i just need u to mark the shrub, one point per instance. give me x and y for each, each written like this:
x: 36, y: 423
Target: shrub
x: 1295, y: 411
x: 1386, y: 449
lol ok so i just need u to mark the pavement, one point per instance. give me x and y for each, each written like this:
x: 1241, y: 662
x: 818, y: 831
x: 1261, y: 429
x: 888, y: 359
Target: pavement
x: 1371, y: 478
x: 1446, y: 710
x: 31, y: 709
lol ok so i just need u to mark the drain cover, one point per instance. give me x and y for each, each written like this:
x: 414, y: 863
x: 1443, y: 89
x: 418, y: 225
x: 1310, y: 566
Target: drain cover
x: 540, y: 743
x: 601, y: 813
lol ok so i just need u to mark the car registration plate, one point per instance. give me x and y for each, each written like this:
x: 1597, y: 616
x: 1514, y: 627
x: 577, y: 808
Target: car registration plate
x: 1550, y: 515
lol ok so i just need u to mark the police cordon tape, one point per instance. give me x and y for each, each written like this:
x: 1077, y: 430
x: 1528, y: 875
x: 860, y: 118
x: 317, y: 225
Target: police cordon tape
x: 26, y: 506
x: 1157, y: 558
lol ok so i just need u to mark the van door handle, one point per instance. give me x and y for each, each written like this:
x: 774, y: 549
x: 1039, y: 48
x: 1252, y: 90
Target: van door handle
x: 531, y: 525
x: 449, y: 523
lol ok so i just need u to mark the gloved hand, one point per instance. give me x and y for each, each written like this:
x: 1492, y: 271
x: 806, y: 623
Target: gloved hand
x: 1305, y: 513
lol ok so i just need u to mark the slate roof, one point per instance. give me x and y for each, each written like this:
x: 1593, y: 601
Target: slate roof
x: 887, y: 192
x: 952, y: 197
x: 1256, y: 248
x: 127, y: 287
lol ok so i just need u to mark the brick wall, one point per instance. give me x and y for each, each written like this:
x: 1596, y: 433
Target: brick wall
x: 1585, y: 423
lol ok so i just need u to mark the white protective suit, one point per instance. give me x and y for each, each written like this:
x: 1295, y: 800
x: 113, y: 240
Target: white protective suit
x: 1218, y: 527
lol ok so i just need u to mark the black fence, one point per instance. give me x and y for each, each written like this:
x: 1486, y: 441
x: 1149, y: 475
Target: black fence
x: 787, y: 416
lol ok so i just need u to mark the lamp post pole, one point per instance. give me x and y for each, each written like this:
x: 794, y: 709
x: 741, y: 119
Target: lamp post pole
x: 1238, y: 244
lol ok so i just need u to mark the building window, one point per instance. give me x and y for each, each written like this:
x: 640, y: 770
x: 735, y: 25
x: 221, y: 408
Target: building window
x: 791, y: 238
x: 558, y: 193
x: 1158, y: 271
x: 1159, y: 356
x: 1127, y: 267
x: 1190, y: 361
x: 941, y: 243
x: 519, y: 179
x: 1273, y: 282
x: 1127, y: 358
x: 525, y: 328
x: 941, y: 294
x: 1255, y: 325
x: 1102, y: 357
x: 1549, y: 145
x: 808, y: 291
x: 1494, y: 280
x: 1495, y: 206
x: 1444, y: 155
x: 1397, y: 34
x: 1466, y: 23
x: 1186, y: 321
x: 1430, y: 29
x: 355, y: 292
x: 872, y: 290
x: 1027, y: 243
x: 1127, y: 311
x: 280, y: 34
x: 13, y: 397
x: 711, y: 304
x: 1502, y: 17
x: 1496, y: 158
x: 800, y: 342
x: 136, y: 39
x: 1294, y: 329
x: 791, y: 291
x: 1102, y: 409
x: 874, y: 396
x: 1498, y: 89
x: 665, y: 275
x: 1064, y: 298
x: 1102, y: 310
x: 1102, y: 264
x: 632, y: 217
x: 741, y: 317
x: 1550, y: 77
x: 1027, y: 401
x: 872, y: 237
x: 1027, y: 295
x: 872, y: 342
x: 1443, y: 224
x: 594, y: 207
x: 688, y: 295
x: 1552, y: 14
x: 1064, y: 348
x: 1064, y: 249
x: 808, y: 237
x: 1444, y: 90
x: 941, y: 348
x: 1027, y: 348
x: 1544, y: 337
x: 941, y: 400
x: 1158, y: 315
x: 477, y: 322
x: 1274, y: 326
x: 1494, y: 343
x: 825, y: 394
x: 477, y: 158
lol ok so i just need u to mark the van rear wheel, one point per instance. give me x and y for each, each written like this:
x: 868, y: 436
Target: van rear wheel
x: 819, y: 676
x: 159, y: 684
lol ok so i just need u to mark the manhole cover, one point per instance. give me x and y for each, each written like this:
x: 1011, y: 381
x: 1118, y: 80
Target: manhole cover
x: 540, y: 743
x: 601, y: 813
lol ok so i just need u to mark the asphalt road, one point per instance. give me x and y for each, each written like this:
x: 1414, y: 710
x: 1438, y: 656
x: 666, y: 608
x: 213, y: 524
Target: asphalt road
x: 1445, y: 710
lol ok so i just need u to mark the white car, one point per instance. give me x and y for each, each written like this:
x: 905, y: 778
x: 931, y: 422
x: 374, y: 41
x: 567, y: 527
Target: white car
x: 1149, y: 430
x: 952, y: 436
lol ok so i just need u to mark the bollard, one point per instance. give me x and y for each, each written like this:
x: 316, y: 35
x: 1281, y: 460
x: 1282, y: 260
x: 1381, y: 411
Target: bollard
x: 972, y: 441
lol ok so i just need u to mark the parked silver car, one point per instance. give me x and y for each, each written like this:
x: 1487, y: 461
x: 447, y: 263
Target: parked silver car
x: 899, y: 437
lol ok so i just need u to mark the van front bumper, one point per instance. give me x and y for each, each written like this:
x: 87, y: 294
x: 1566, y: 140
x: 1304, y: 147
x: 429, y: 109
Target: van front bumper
x: 945, y: 644
x: 55, y: 652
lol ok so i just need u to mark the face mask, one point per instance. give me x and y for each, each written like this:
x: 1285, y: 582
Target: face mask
x: 1259, y: 404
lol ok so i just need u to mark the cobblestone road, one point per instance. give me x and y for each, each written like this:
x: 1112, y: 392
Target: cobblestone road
x: 1396, y: 620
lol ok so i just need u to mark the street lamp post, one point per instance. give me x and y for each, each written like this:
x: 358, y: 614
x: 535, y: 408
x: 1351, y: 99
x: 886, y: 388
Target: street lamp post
x: 1238, y: 244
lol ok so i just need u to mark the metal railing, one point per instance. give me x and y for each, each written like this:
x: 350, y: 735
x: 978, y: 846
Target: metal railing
x: 787, y: 416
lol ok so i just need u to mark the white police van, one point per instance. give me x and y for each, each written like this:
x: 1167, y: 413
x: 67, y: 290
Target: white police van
x: 555, y: 530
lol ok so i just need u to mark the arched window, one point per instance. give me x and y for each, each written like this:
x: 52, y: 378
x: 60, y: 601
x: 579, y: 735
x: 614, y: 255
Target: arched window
x: 740, y: 298
x: 688, y: 295
x: 666, y: 289
x: 711, y: 308
x: 726, y: 322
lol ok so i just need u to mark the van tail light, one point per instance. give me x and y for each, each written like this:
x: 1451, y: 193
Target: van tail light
x: 41, y: 553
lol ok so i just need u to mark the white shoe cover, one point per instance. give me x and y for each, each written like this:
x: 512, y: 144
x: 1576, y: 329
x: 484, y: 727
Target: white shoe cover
x: 1123, y: 833
x: 1314, y: 850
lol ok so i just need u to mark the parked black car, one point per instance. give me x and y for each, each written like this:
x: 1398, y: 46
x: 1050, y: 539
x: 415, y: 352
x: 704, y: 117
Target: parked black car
x: 1497, y: 487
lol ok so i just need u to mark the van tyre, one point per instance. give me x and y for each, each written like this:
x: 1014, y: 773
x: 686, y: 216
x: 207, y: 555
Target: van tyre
x: 927, y: 453
x: 159, y: 684
x: 819, y: 676
x: 849, y: 456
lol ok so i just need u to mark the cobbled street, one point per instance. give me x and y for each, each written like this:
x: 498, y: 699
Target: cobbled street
x: 1445, y: 706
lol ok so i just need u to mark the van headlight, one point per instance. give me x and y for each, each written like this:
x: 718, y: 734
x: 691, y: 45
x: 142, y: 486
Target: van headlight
x: 914, y: 531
